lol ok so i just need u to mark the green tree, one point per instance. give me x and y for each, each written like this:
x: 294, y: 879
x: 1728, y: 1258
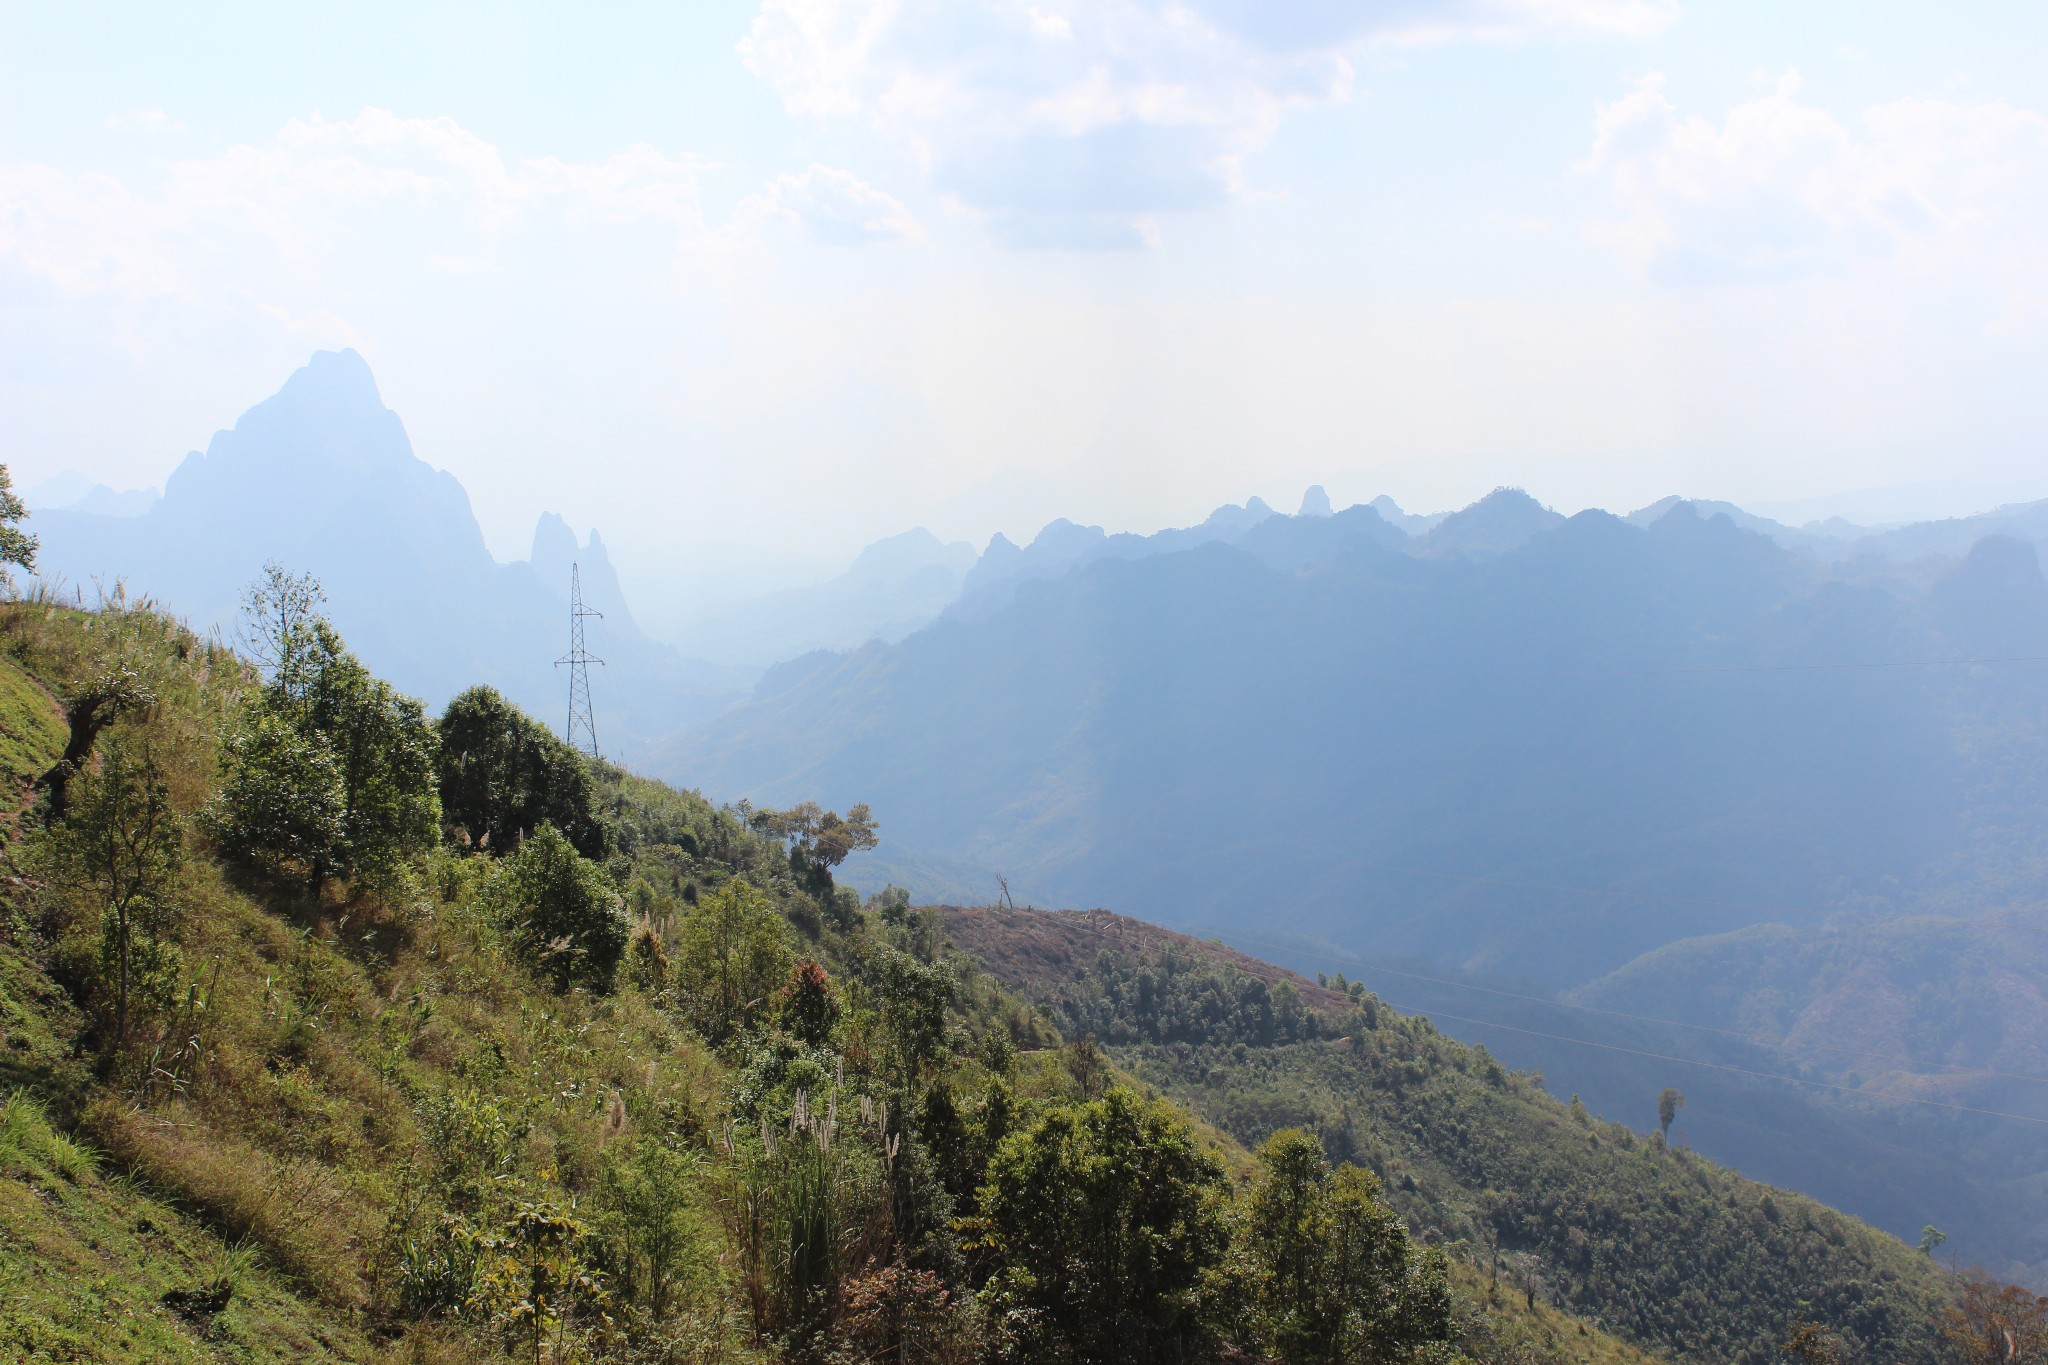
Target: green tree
x: 17, y: 547
x: 655, y: 1235
x: 384, y: 750
x: 563, y: 913
x: 819, y: 840
x: 281, y: 802
x: 912, y: 997
x: 1338, y: 1279
x: 1668, y: 1105
x: 1104, y: 1218
x: 732, y: 952
x: 808, y: 1006
x: 536, y: 1276
x: 123, y: 845
x: 326, y: 767
x: 279, y: 613
x: 502, y: 775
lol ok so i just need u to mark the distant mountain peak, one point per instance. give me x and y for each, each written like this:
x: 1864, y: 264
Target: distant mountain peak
x: 1315, y: 502
x: 553, y: 541
x: 911, y: 552
x: 331, y: 382
x: 1412, y: 523
x: 1497, y: 523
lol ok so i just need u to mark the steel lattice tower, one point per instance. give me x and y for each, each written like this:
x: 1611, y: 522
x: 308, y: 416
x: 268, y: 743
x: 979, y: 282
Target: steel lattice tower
x: 579, y: 660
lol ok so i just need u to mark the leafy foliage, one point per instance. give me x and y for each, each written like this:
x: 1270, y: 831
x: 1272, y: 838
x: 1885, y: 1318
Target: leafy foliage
x: 502, y: 775
x: 561, y: 910
x: 1337, y: 1278
x: 422, y: 1097
x: 1105, y: 1218
x: 327, y: 767
x: 1665, y: 1248
x: 121, y: 847
x: 17, y: 547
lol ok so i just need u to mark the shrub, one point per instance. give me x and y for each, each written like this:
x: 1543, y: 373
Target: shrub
x: 561, y: 912
x: 732, y: 952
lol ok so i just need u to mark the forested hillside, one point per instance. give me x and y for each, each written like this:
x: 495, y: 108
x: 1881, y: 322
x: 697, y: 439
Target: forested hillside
x: 330, y: 1030
x: 1651, y: 1241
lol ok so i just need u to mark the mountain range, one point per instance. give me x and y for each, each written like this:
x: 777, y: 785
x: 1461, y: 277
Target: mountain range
x: 1530, y: 775
x: 1687, y: 784
x: 322, y: 479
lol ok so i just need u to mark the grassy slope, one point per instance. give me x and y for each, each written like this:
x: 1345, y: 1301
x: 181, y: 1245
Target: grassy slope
x: 1658, y: 1245
x: 284, y: 1145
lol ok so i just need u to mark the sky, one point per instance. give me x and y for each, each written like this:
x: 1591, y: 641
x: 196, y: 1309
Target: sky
x: 749, y: 285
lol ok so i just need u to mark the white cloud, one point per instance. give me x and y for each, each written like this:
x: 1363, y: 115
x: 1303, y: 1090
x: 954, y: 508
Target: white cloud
x: 256, y: 221
x: 1781, y: 188
x: 833, y: 206
x: 239, y: 221
x: 149, y: 122
x: 1092, y: 114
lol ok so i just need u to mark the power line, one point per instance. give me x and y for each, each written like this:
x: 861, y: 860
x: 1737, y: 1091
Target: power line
x: 1717, y: 1066
x: 1423, y: 1013
x: 1685, y: 670
x: 1361, y: 965
x: 1645, y: 897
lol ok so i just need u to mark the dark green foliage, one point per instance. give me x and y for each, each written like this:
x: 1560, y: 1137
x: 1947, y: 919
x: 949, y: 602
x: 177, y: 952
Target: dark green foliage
x: 281, y: 801
x: 1105, y: 1218
x: 1668, y: 1105
x: 1660, y: 1246
x: 503, y: 774
x: 563, y: 913
x: 121, y: 847
x: 383, y: 749
x: 912, y: 998
x: 327, y: 767
x: 1177, y: 997
x: 1336, y: 1277
x: 17, y: 547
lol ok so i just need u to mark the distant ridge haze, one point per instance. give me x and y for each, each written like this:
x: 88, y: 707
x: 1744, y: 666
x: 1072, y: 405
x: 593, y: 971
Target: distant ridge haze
x: 321, y: 477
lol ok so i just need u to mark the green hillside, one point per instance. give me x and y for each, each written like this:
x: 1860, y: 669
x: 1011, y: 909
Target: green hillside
x: 371, y: 1037
x: 1654, y: 1243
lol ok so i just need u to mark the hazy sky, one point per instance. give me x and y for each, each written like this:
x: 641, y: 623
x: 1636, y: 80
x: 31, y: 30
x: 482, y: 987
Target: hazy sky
x: 795, y: 274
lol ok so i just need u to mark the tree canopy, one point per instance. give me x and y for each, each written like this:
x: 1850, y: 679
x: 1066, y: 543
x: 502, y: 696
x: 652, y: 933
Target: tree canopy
x: 1105, y: 1216
x: 503, y: 774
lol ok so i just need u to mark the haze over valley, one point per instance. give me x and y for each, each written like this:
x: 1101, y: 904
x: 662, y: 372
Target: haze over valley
x: 874, y: 682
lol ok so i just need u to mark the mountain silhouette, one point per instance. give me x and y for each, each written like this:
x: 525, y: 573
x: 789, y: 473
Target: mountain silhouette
x: 893, y: 587
x: 1547, y: 758
x: 321, y: 478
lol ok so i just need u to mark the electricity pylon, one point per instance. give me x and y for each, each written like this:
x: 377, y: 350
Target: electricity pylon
x: 579, y: 660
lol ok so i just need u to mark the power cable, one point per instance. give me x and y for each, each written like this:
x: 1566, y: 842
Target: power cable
x: 1424, y: 1013
x: 1705, y: 669
x: 1361, y: 965
x: 1644, y: 897
x: 1718, y: 1066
